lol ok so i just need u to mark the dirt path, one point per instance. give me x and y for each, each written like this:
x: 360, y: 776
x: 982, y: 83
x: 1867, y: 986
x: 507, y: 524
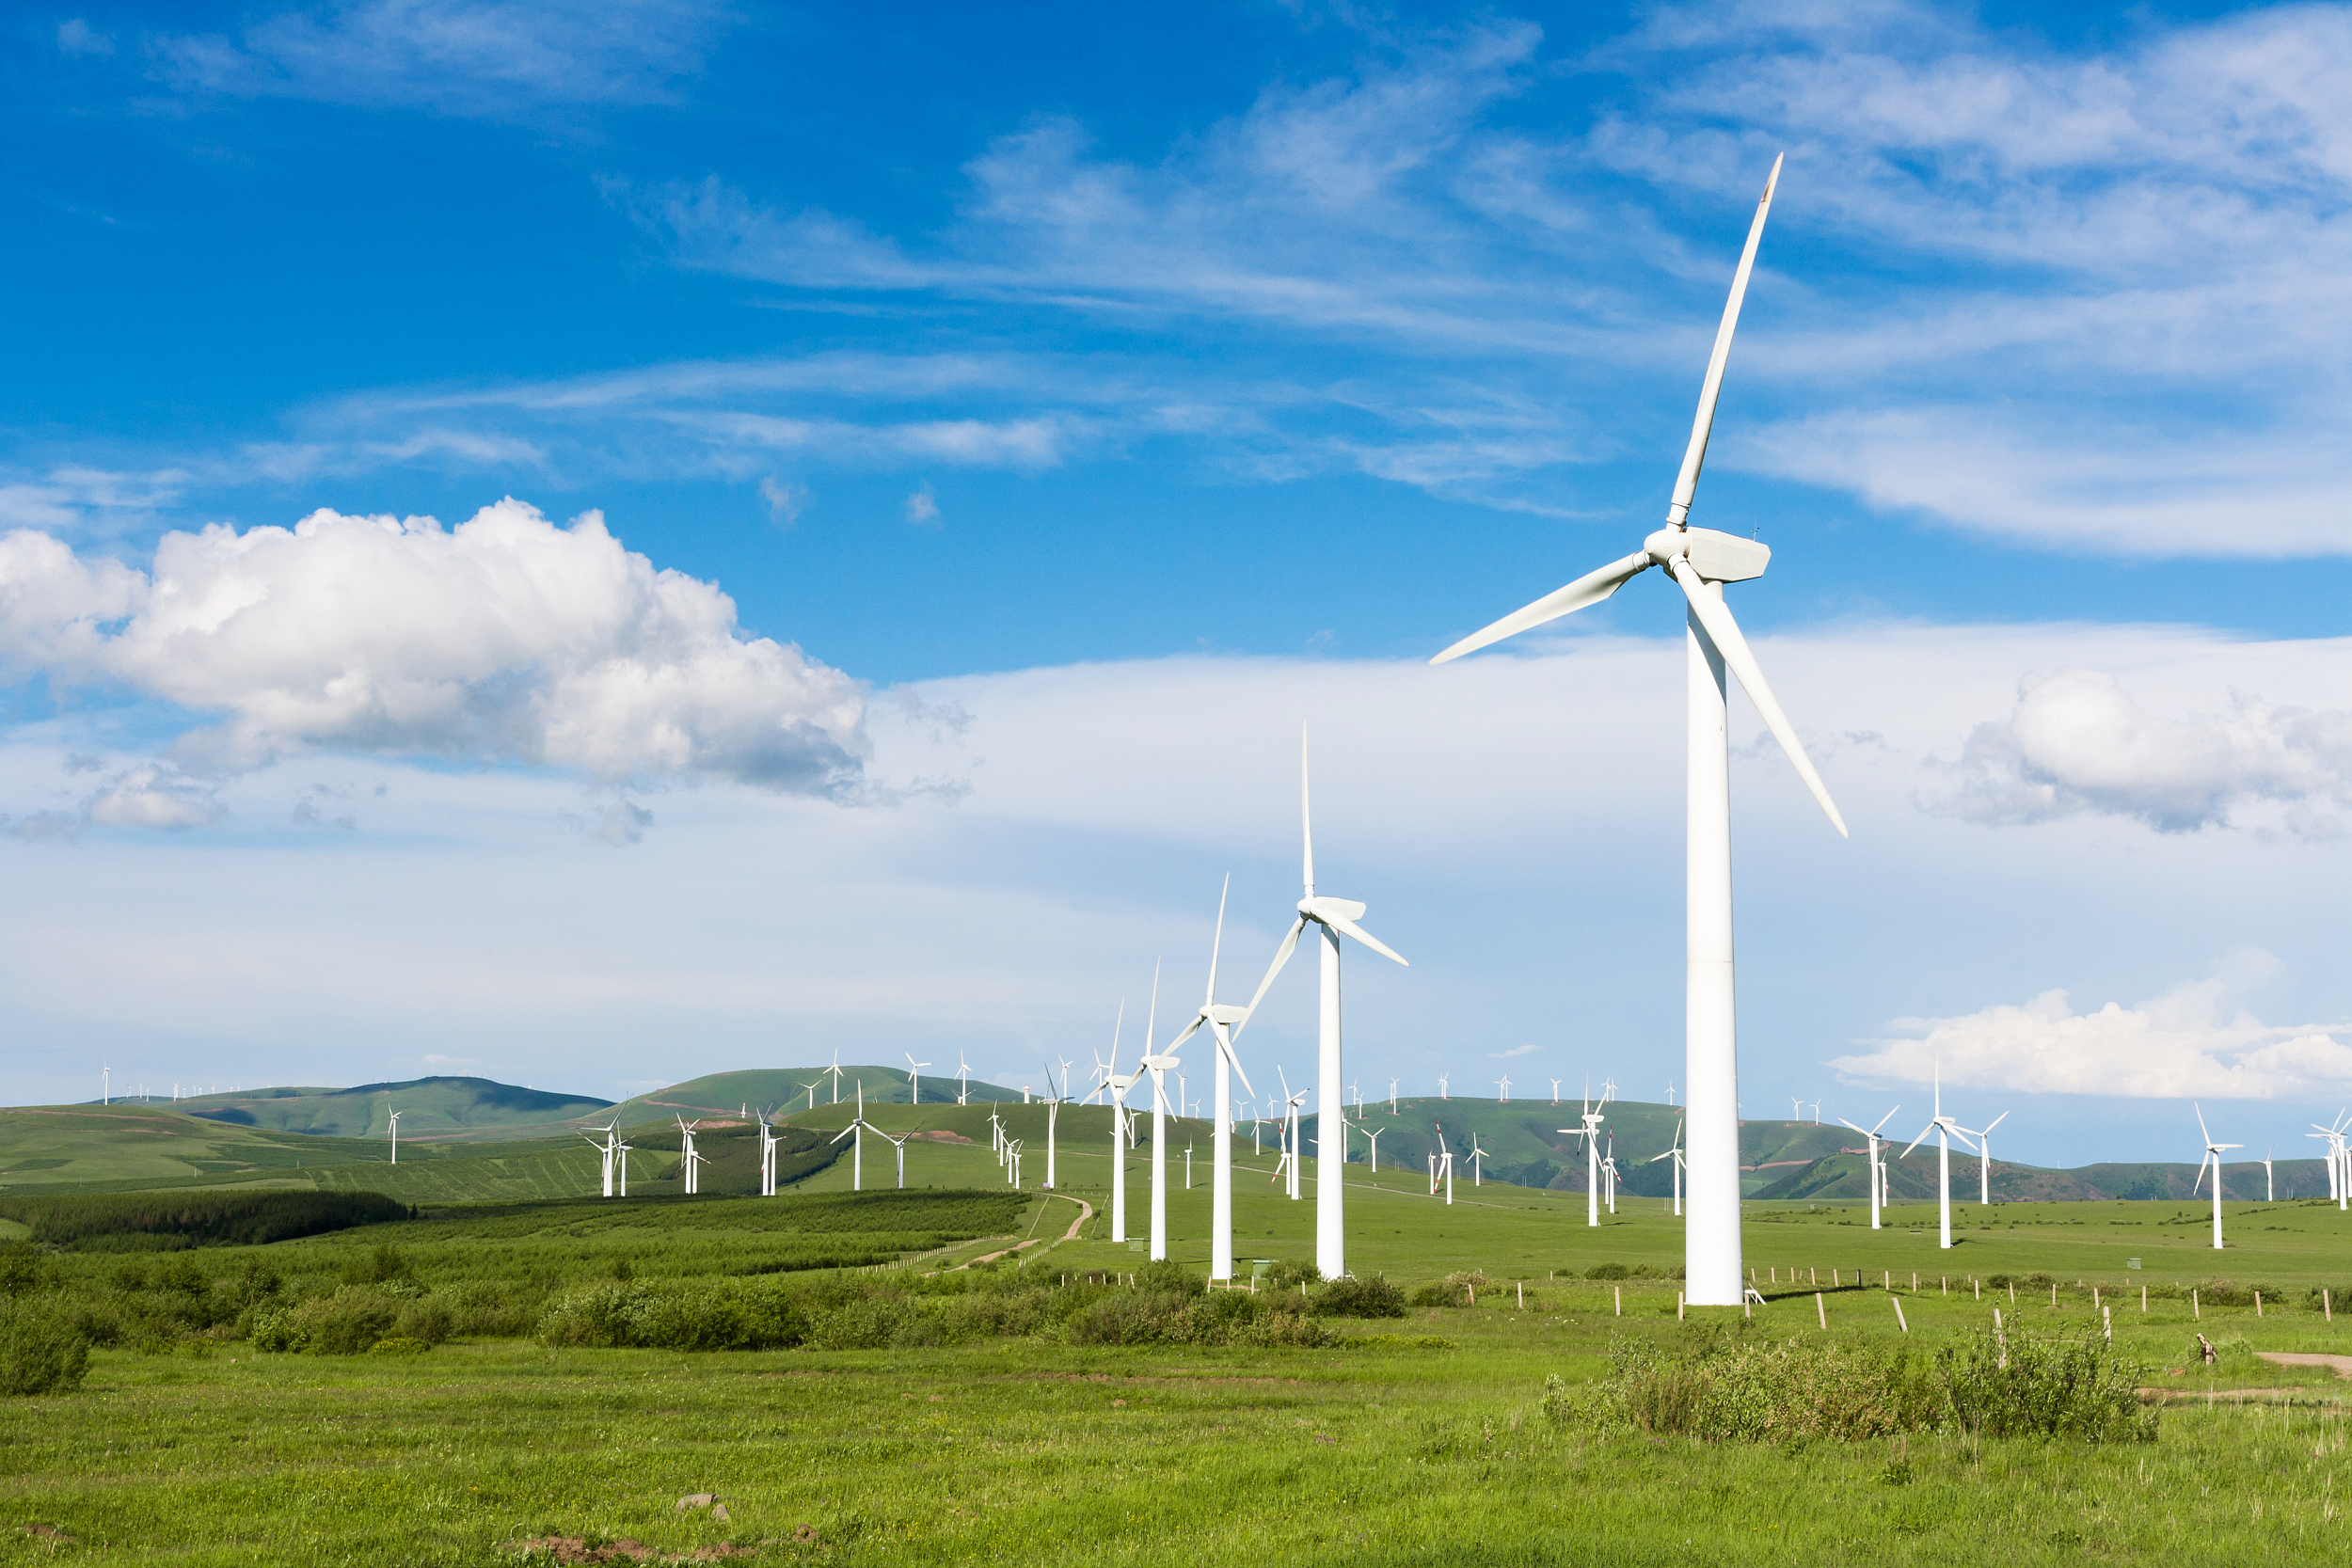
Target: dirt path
x: 1086, y: 1213
x: 2342, y: 1365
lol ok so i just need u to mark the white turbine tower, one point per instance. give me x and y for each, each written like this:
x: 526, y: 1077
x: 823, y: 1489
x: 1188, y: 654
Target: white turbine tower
x: 2213, y: 1155
x: 1441, y: 1082
x: 1878, y: 1171
x: 1053, y: 1113
x: 1984, y: 1158
x: 1944, y: 1128
x: 914, y: 1078
x: 1118, y: 1084
x: 1329, y: 916
x: 687, y: 1156
x: 1157, y: 1066
x: 607, y: 1150
x: 1373, y: 1140
x: 1609, y: 1171
x: 620, y: 1159
x: 1224, y: 1022
x: 1503, y: 1085
x: 964, y: 1078
x: 1590, y: 1132
x: 1555, y: 1091
x: 1674, y: 1152
x: 395, y: 1136
x: 767, y: 1156
x: 836, y: 1070
x: 1478, y: 1156
x: 1701, y: 560
x: 2270, y: 1178
x: 1292, y: 1138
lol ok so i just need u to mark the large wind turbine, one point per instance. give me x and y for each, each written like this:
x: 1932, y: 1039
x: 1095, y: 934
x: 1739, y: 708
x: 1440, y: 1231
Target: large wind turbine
x: 1878, y: 1174
x: 1329, y: 916
x: 2212, y: 1156
x: 1224, y: 1022
x: 914, y: 1078
x: 606, y: 1148
x: 1944, y: 1128
x: 1701, y: 560
x: 1590, y: 1132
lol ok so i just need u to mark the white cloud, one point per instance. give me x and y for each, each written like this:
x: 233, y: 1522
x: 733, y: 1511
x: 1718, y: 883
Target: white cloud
x: 785, y: 500
x: 1514, y: 1052
x: 2189, y: 1043
x: 2075, y: 742
x: 506, y: 639
x: 923, y: 507
x: 154, y: 795
x: 487, y: 59
x: 432, y: 1061
x: 77, y: 37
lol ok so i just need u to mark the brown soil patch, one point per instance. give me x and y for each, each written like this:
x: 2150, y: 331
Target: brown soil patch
x: 2341, y: 1364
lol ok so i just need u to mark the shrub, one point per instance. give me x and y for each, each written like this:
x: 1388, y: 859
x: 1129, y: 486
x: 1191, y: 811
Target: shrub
x: 1766, y: 1391
x: 381, y: 1266
x: 348, y: 1323
x: 23, y: 1269
x: 1128, y: 1318
x: 1287, y: 1274
x: 2075, y: 1386
x: 1609, y: 1271
x: 1173, y: 1278
x: 40, y: 1352
x: 184, y: 1219
x: 1376, y: 1297
x: 704, y: 1316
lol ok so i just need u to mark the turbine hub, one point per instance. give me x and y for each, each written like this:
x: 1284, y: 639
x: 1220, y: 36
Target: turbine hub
x: 1719, y: 557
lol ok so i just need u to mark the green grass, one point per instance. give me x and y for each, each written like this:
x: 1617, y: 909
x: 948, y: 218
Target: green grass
x: 1382, y: 1450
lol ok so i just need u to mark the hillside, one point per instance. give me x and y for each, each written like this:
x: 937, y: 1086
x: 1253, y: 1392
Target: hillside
x: 733, y: 1094
x: 430, y: 1108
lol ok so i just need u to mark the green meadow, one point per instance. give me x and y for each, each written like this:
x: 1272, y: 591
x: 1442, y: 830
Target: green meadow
x: 1425, y: 1438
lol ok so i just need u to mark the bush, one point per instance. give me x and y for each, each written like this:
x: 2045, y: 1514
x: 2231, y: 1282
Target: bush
x: 40, y: 1352
x: 1609, y: 1271
x: 2052, y: 1387
x: 1289, y: 1275
x: 380, y: 1267
x: 1795, y: 1390
x: 1376, y: 1297
x: 191, y: 1219
x: 697, y: 1317
x: 23, y: 1269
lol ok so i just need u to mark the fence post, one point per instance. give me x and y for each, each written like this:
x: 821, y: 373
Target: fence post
x: 1821, y: 1309
x: 1899, y: 1313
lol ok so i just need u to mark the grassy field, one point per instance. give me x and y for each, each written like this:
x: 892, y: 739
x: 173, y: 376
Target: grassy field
x: 1420, y: 1440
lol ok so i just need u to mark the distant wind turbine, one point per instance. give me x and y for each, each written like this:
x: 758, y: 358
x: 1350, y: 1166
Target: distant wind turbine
x: 2213, y: 1156
x: 1674, y: 1152
x: 1944, y: 1128
x: 1330, y: 917
x: 914, y: 1078
x: 1984, y: 1158
x: 1590, y: 1132
x: 1224, y: 1021
x: 607, y: 1149
x: 1118, y: 1085
x: 1878, y: 1168
x: 395, y: 1136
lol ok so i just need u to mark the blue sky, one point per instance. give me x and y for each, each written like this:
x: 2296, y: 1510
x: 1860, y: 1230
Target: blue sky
x: 1044, y: 382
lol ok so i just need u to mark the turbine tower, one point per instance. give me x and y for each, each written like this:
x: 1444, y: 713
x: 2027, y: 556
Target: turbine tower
x: 1944, y: 1128
x: 1224, y: 1022
x: 1878, y: 1173
x: 1590, y: 1132
x: 2213, y: 1157
x: 1329, y: 916
x: 1701, y: 560
x: 1674, y: 1152
x: 1984, y: 1158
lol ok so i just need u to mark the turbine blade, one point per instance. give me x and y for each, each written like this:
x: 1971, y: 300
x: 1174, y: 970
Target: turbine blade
x: 2201, y: 1128
x: 1695, y: 455
x: 1217, y: 940
x: 1994, y: 1122
x: 1365, y: 937
x: 1189, y: 1030
x: 1918, y: 1141
x: 1282, y: 957
x: 1225, y: 1044
x: 1883, y: 1120
x: 1583, y: 592
x: 1724, y: 631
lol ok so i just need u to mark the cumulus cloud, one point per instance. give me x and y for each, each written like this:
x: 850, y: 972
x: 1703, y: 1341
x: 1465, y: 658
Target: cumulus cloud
x: 2076, y: 742
x: 154, y: 795
x: 506, y: 639
x: 923, y: 507
x: 2194, y: 1040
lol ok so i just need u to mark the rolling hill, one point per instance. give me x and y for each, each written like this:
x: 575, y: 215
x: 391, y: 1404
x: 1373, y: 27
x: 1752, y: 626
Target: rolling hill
x: 430, y: 1109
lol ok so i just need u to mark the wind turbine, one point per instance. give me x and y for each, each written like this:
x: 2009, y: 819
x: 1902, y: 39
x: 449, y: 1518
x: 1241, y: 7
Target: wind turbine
x: 964, y: 1078
x: 2336, y: 1187
x: 1293, y: 1143
x: 836, y: 1070
x: 620, y: 1157
x: 1330, y: 917
x: 1478, y: 1155
x: 1590, y: 1132
x: 1118, y: 1085
x: 766, y: 1157
x: 1701, y: 560
x: 1372, y: 1139
x: 1944, y: 1128
x: 2213, y: 1153
x: 1503, y: 1084
x: 1441, y: 1082
x: 1224, y: 1022
x: 1392, y: 1096
x: 1555, y: 1091
x: 811, y: 1087
x: 687, y: 1156
x: 1878, y: 1172
x: 915, y: 1077
x: 395, y: 1127
x: 1157, y: 1066
x: 1053, y: 1113
x: 2270, y: 1178
x: 1674, y: 1152
x: 606, y: 1148
x: 1984, y: 1158
x: 1609, y: 1171
x: 855, y: 1132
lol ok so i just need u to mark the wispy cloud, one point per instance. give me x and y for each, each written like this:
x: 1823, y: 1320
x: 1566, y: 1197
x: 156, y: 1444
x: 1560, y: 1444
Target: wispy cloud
x: 494, y: 59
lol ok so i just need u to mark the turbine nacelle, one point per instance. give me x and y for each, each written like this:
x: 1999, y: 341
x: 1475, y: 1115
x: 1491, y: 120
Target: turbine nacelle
x: 1719, y: 557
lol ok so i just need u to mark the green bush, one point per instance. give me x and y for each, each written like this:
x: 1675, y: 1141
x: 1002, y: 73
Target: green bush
x: 1761, y: 1391
x: 349, y: 1322
x: 2052, y: 1387
x: 1609, y: 1271
x: 40, y: 1352
x: 1375, y: 1297
x: 184, y: 1219
x: 701, y: 1316
x: 1289, y: 1275
x: 23, y: 1269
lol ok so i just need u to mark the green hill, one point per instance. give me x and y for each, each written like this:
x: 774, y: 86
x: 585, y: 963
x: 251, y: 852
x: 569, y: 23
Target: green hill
x: 430, y: 1108
x: 733, y: 1094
